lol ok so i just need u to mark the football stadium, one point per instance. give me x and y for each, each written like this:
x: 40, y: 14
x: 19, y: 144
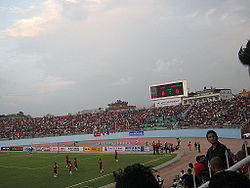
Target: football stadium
x: 124, y: 94
x: 167, y: 137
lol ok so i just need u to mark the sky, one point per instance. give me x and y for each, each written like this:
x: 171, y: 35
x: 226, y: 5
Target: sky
x: 65, y: 56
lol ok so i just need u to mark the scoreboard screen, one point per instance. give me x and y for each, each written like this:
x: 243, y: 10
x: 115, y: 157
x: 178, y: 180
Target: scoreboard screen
x: 168, y: 90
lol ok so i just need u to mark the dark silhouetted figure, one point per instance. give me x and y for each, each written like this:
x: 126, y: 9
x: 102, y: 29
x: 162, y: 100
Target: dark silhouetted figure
x: 135, y: 176
x: 229, y: 179
x: 244, y: 55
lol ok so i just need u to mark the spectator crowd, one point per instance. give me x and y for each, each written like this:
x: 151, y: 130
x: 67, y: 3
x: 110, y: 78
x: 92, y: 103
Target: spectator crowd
x: 225, y: 113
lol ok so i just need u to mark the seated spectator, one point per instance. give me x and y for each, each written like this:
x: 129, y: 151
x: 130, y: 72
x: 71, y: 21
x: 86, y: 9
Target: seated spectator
x: 243, y: 148
x: 216, y: 165
x: 239, y: 156
x: 191, y: 167
x: 181, y: 175
x: 198, y: 168
x: 175, y: 183
x: 229, y: 179
x: 160, y: 180
x: 135, y: 176
x: 188, y: 179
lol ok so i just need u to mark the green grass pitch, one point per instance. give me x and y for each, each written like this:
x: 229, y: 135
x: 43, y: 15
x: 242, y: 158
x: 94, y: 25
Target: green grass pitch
x: 24, y: 170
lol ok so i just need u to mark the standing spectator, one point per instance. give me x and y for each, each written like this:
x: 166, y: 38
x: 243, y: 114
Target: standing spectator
x: 195, y: 146
x: 55, y: 169
x: 199, y: 147
x: 198, y: 168
x: 166, y: 146
x: 178, y: 141
x: 216, y: 150
x: 154, y: 147
x: 158, y: 145
x: 189, y: 145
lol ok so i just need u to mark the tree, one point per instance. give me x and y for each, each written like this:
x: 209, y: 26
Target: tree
x: 20, y: 113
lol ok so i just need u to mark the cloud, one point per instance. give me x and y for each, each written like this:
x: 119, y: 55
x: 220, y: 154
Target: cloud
x: 72, y: 1
x: 26, y: 11
x: 210, y: 12
x: 52, y: 85
x: 57, y: 46
x: 35, y: 25
x: 164, y: 66
x: 13, y: 100
x: 27, y: 27
x: 193, y: 15
x: 122, y: 81
x: 48, y: 16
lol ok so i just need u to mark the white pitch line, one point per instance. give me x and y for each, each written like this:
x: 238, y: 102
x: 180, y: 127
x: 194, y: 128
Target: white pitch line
x: 153, y: 160
x: 21, y: 167
x: 89, y: 180
x: 108, y: 174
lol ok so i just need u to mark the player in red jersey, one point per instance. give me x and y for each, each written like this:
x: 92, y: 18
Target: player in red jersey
x: 70, y: 167
x: 76, y: 163
x: 116, y: 156
x: 55, y: 169
x: 100, y: 162
x: 67, y: 160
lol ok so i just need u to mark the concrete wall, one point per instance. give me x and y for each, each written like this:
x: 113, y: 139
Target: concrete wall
x: 223, y: 133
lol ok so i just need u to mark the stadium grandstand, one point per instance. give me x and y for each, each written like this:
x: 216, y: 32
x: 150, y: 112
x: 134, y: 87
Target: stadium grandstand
x: 230, y: 112
x: 210, y: 108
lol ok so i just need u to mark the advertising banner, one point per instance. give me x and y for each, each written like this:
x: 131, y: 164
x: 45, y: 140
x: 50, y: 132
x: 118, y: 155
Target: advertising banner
x: 97, y: 134
x: 54, y: 149
x: 44, y: 148
x: 112, y: 149
x: 145, y: 148
x: 29, y: 148
x: 11, y: 148
x: 168, y: 102
x: 73, y: 149
x: 63, y: 149
x: 133, y: 148
x: 92, y: 149
x: 136, y: 133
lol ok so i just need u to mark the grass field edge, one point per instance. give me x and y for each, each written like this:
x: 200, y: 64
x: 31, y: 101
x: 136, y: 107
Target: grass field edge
x: 178, y: 156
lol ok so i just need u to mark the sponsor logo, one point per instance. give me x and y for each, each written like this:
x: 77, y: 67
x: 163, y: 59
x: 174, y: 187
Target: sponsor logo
x: 136, y: 133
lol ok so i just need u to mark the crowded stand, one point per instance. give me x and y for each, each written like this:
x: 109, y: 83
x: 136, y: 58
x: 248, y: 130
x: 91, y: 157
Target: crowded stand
x: 223, y: 113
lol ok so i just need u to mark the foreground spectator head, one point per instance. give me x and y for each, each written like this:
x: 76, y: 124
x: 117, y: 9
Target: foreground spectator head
x: 240, y: 155
x: 211, y: 132
x: 212, y: 136
x: 216, y: 164
x: 200, y: 158
x: 135, y: 176
x: 229, y: 179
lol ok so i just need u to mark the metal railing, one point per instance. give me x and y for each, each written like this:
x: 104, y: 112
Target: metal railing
x: 236, y: 166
